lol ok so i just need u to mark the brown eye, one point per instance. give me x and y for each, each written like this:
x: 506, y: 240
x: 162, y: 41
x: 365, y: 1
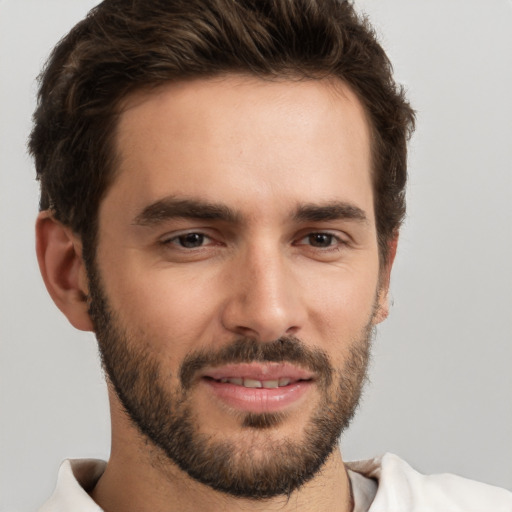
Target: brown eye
x: 321, y: 240
x: 191, y: 240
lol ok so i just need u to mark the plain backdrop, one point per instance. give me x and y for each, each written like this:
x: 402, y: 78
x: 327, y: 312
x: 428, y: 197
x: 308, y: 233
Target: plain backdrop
x: 441, y: 382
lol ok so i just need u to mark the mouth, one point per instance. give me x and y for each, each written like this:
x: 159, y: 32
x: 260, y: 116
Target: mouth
x: 247, y: 382
x: 258, y: 387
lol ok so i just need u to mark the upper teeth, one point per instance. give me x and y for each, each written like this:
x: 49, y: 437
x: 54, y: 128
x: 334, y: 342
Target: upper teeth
x: 253, y: 383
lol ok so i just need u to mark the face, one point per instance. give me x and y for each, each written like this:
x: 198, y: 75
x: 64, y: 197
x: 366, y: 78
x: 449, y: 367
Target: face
x: 235, y: 285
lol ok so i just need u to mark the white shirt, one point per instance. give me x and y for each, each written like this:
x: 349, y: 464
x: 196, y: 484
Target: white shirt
x: 383, y: 484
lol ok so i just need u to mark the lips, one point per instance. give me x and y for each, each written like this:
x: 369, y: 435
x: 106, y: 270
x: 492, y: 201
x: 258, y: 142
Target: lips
x: 255, y: 383
x: 258, y: 371
x: 258, y: 387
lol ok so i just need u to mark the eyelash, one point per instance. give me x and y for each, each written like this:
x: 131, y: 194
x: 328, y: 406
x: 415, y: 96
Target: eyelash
x: 177, y: 238
x: 339, y: 242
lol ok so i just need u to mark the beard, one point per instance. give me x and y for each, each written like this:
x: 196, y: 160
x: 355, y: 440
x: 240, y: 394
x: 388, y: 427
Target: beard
x: 260, y: 469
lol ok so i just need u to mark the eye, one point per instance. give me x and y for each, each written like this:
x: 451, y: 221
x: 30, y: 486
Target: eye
x: 188, y: 240
x: 321, y: 240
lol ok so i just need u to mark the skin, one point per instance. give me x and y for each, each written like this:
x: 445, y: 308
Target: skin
x: 262, y: 149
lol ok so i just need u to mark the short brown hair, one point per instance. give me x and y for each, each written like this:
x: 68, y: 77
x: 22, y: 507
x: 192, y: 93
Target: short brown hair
x: 123, y: 46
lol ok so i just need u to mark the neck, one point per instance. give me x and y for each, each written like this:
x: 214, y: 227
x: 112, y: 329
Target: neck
x: 137, y: 479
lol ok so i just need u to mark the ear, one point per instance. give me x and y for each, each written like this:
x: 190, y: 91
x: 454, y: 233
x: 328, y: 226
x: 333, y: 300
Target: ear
x: 384, y: 280
x: 59, y: 254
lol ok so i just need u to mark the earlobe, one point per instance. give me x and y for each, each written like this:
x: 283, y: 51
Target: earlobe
x: 385, y: 277
x: 59, y: 254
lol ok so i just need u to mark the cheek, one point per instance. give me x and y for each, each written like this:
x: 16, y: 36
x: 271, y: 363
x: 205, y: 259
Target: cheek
x: 342, y: 303
x: 168, y: 308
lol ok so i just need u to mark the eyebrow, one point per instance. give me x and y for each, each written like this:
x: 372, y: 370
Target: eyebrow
x: 171, y: 208
x: 334, y: 210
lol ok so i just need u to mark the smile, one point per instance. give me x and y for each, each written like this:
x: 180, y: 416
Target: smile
x: 258, y: 387
x: 254, y: 383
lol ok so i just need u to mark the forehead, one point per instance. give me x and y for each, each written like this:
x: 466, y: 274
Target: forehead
x: 239, y: 139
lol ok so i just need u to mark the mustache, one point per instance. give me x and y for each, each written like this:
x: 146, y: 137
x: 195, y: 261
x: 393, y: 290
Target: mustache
x: 248, y: 350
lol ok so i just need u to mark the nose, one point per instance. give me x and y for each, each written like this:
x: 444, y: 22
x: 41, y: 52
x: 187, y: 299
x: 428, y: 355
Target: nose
x: 264, y: 300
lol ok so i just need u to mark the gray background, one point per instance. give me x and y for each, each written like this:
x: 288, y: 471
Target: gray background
x: 441, y: 385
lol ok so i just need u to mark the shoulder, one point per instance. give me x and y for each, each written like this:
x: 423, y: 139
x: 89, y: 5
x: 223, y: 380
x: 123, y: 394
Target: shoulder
x: 401, y: 488
x: 75, y: 479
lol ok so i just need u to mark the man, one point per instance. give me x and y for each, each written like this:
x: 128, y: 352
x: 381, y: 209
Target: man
x: 222, y: 185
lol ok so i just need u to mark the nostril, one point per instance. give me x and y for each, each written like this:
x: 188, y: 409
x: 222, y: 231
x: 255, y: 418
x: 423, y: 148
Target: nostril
x: 292, y: 331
